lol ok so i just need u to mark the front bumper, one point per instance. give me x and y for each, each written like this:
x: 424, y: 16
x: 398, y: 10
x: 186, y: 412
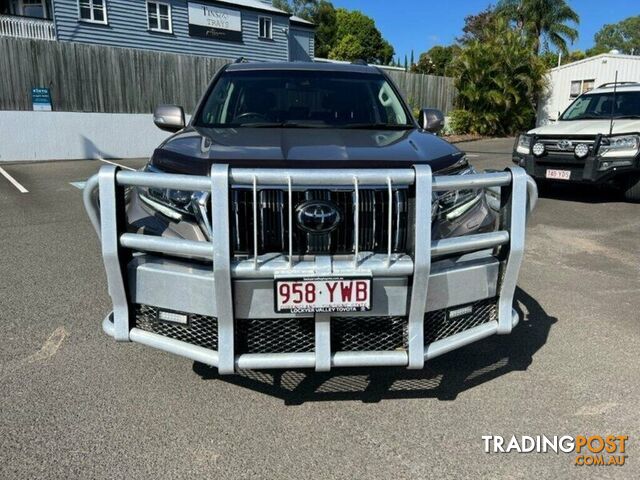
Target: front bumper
x: 416, y: 298
x: 588, y: 170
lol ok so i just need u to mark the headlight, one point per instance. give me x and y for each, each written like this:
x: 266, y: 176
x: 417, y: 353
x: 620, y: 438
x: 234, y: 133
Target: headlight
x: 524, y: 144
x: 455, y: 203
x: 174, y: 204
x: 621, y: 146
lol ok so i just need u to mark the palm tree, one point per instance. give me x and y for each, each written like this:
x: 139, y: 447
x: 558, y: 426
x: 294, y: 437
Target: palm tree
x: 543, y: 20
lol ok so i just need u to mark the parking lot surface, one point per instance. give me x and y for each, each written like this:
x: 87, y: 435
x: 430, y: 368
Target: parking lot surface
x: 75, y: 404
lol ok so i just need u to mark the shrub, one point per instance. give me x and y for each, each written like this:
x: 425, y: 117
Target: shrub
x: 498, y: 82
x: 460, y: 122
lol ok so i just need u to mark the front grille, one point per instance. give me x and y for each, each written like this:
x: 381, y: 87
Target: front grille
x: 566, y: 146
x: 367, y: 334
x: 438, y: 325
x: 273, y: 222
x: 201, y: 330
x: 282, y: 335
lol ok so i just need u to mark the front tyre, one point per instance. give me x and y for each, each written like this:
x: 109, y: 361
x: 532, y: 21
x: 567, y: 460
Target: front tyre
x: 631, y: 189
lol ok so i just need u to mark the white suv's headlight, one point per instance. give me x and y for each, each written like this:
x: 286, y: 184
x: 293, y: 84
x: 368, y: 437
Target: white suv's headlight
x: 620, y: 146
x: 524, y: 144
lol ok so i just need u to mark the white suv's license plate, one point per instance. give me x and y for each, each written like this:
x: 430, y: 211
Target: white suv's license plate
x: 559, y: 174
x: 323, y: 295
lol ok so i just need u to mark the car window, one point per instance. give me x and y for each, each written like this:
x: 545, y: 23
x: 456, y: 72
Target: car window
x: 603, y: 105
x: 302, y: 98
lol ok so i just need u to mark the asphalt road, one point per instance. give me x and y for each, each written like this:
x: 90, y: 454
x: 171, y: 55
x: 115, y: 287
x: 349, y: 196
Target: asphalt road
x: 74, y: 404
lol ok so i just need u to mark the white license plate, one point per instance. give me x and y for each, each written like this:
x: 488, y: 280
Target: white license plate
x: 323, y: 295
x: 559, y: 174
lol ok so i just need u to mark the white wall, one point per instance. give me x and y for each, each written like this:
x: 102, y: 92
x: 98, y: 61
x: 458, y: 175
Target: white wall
x: 601, y: 68
x: 32, y: 136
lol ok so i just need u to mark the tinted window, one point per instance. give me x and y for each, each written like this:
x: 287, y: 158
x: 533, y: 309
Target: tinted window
x: 602, y: 105
x: 302, y: 98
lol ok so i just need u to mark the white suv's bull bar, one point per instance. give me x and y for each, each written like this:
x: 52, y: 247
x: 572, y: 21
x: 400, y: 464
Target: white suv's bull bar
x: 227, y: 277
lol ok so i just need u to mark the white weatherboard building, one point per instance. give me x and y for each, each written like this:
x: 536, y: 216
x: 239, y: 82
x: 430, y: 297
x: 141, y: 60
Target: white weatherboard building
x: 568, y: 81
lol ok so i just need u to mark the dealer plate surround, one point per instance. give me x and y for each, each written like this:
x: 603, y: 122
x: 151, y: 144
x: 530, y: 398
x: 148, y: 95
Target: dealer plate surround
x: 322, y: 294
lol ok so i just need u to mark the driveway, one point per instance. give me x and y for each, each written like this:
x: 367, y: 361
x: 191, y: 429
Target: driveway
x: 75, y: 404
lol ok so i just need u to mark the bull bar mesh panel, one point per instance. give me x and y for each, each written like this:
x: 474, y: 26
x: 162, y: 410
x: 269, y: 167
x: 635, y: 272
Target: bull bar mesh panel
x: 362, y: 334
x: 438, y: 325
x: 281, y: 335
x: 201, y: 330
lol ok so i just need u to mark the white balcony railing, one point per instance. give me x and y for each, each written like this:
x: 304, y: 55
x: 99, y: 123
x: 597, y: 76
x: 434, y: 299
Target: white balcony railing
x: 23, y: 27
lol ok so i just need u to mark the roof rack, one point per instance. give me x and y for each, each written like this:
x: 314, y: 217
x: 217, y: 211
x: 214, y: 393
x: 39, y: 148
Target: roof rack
x: 611, y: 84
x: 359, y: 61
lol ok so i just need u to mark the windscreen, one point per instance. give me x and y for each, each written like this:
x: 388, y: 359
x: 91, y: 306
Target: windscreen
x: 305, y: 99
x: 603, y: 106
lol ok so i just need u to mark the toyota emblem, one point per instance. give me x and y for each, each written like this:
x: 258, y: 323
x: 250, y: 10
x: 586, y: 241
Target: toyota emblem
x: 565, y: 145
x: 318, y: 216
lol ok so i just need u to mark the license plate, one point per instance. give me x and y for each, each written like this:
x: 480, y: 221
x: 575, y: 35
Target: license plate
x: 323, y: 295
x: 559, y: 174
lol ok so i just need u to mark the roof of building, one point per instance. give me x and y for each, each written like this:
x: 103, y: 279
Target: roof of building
x: 302, y: 21
x: 616, y: 56
x: 254, y: 5
x: 305, y: 66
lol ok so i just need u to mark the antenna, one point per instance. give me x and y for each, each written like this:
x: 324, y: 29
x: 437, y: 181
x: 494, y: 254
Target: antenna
x: 613, y: 103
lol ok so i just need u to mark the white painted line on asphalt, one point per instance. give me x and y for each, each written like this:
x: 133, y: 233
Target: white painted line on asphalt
x: 472, y: 155
x: 116, y: 164
x: 15, y: 183
x: 78, y: 185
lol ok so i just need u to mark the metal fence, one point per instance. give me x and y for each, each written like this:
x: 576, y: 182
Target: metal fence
x: 91, y: 78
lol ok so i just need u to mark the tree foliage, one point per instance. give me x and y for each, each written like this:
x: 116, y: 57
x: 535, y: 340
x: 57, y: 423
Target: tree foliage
x: 545, y: 22
x: 498, y: 80
x: 436, y: 61
x: 358, y: 37
x: 623, y: 36
x: 476, y: 26
x: 341, y: 34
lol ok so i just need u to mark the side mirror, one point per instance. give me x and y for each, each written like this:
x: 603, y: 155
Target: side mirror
x: 431, y: 120
x: 169, y: 118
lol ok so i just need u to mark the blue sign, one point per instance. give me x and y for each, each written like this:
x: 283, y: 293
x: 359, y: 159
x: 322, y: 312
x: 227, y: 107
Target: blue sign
x: 41, y: 99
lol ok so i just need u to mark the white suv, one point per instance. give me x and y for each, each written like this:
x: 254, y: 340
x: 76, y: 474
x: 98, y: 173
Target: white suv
x: 596, y: 140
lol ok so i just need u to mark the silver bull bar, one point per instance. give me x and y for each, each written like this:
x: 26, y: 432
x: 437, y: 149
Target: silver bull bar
x: 212, y: 289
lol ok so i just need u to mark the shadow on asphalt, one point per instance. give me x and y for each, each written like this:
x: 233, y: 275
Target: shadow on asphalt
x: 443, y: 378
x: 579, y: 193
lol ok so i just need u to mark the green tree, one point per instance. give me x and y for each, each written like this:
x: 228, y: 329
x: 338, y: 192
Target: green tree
x: 623, y: 36
x: 550, y: 59
x: 322, y: 14
x: 425, y: 65
x: 476, y: 26
x: 326, y: 28
x: 436, y: 61
x: 362, y: 29
x: 544, y: 21
x: 498, y: 81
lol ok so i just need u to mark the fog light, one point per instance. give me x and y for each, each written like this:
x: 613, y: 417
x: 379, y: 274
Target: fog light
x: 605, y: 165
x: 581, y: 150
x: 173, y: 317
x: 538, y: 149
x: 460, y: 312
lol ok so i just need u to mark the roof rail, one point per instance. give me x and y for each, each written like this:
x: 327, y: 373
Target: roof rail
x: 359, y: 61
x: 611, y: 84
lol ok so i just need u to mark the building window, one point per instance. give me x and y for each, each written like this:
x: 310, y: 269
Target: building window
x: 578, y: 87
x: 159, y: 17
x: 266, y: 30
x: 94, y: 11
